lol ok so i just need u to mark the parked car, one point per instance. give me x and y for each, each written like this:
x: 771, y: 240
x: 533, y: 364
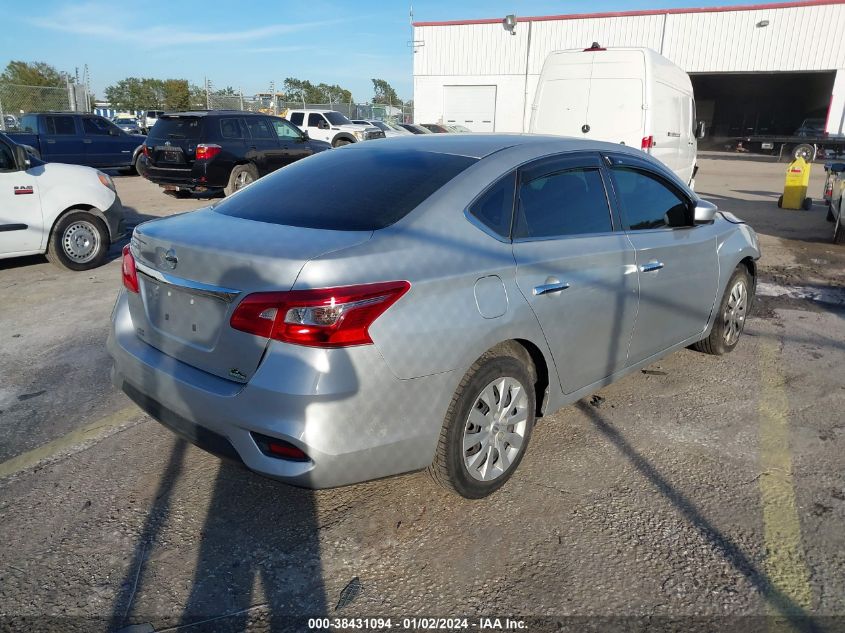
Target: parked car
x: 128, y: 124
x: 384, y: 127
x: 414, y: 129
x: 436, y: 128
x: 10, y: 122
x: 461, y: 129
x: 68, y: 212
x: 326, y: 327
x: 632, y: 96
x: 332, y: 127
x: 78, y: 139
x: 150, y: 118
x: 220, y: 150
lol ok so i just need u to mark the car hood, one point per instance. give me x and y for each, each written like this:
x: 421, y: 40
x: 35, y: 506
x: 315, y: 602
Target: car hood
x: 78, y: 174
x: 354, y: 127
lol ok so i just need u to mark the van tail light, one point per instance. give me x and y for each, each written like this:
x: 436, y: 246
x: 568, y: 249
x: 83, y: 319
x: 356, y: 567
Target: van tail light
x: 647, y: 143
x: 207, y: 151
x: 130, y: 272
x: 323, y: 317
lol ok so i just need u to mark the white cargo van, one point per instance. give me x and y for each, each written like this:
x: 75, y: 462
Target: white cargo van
x: 632, y: 96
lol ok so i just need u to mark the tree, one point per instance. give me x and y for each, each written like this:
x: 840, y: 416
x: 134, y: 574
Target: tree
x: 334, y: 94
x: 384, y: 93
x: 197, y: 97
x: 176, y: 94
x: 32, y: 74
x: 302, y: 90
x: 135, y: 93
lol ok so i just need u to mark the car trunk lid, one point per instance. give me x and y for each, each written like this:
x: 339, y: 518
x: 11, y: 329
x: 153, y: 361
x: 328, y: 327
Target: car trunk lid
x: 194, y: 269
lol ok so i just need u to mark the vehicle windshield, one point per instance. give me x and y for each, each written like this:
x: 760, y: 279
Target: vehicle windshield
x: 381, y: 125
x: 124, y: 121
x: 168, y: 128
x: 336, y: 190
x: 336, y: 118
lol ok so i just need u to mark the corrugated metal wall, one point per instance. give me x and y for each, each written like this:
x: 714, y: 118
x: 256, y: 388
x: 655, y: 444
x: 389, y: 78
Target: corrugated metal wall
x: 796, y: 39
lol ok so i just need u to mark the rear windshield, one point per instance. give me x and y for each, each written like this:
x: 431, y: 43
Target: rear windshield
x: 167, y: 128
x: 361, y: 189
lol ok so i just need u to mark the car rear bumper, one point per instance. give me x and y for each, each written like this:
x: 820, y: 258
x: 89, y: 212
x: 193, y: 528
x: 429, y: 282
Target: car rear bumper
x: 344, y: 408
x: 199, y: 176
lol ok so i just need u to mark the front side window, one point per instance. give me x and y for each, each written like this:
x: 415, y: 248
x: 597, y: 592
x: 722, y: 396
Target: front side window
x: 297, y: 118
x: 648, y: 202
x: 336, y: 118
x: 495, y: 207
x: 315, y: 119
x: 29, y: 123
x: 7, y: 158
x: 95, y: 126
x: 285, y: 129
x: 60, y: 125
x: 571, y: 202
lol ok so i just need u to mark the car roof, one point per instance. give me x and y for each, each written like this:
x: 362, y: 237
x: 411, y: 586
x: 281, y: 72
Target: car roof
x: 481, y: 145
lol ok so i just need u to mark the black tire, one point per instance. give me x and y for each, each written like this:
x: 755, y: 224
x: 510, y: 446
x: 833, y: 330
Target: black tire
x: 780, y: 202
x: 70, y: 235
x: 839, y: 229
x: 807, y: 204
x: 241, y: 176
x: 340, y: 142
x: 717, y: 343
x: 830, y: 217
x: 449, y: 468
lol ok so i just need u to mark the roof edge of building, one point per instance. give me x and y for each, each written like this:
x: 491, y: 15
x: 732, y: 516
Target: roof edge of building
x: 644, y: 12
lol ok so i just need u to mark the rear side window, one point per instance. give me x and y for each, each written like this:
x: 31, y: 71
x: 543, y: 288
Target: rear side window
x: 259, y: 129
x: 176, y: 128
x: 297, y: 118
x: 231, y: 128
x: 647, y: 202
x: 60, y: 125
x: 495, y: 207
x: 336, y: 190
x: 571, y: 202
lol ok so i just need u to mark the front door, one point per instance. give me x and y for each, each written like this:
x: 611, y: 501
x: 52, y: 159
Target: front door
x: 577, y: 272
x: 294, y: 145
x: 105, y: 144
x: 677, y: 260
x: 21, y: 228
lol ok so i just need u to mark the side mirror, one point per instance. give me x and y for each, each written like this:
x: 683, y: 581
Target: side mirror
x: 305, y: 136
x: 705, y: 212
x: 699, y: 130
x: 22, y: 158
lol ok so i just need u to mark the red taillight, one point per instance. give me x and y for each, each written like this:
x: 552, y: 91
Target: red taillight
x: 207, y: 151
x: 279, y: 448
x: 323, y: 317
x: 647, y: 143
x: 130, y: 273
x: 145, y: 150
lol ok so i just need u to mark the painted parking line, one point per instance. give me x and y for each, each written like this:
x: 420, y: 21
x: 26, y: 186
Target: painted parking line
x: 785, y: 564
x: 64, y: 444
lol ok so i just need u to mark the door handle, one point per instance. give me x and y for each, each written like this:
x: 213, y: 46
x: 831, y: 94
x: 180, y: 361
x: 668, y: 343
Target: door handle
x: 87, y: 141
x: 545, y: 289
x: 51, y: 141
x: 651, y: 267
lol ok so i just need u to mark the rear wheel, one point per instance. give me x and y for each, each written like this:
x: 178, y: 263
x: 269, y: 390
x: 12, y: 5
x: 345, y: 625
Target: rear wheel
x: 807, y: 204
x: 488, y: 424
x: 79, y: 241
x: 241, y: 176
x: 730, y: 320
x: 780, y: 202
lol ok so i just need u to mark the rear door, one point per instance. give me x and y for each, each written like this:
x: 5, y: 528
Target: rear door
x: 574, y: 268
x: 263, y: 147
x: 676, y: 260
x: 472, y: 106
x: 61, y: 141
x: 617, y: 93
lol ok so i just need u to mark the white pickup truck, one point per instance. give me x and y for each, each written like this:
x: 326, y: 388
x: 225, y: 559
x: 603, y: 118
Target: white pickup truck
x: 70, y: 213
x: 332, y: 127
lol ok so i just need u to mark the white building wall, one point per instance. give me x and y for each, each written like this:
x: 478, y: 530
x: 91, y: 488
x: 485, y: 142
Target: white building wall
x: 805, y: 38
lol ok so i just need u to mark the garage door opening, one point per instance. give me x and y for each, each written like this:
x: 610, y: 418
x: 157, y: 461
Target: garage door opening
x: 744, y: 104
x: 473, y: 107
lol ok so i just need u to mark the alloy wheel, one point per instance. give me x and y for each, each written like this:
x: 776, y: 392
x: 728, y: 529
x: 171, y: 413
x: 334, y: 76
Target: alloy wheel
x: 735, y: 312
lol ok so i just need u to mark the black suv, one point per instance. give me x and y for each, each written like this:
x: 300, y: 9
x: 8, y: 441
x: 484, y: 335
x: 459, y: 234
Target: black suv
x: 214, y: 150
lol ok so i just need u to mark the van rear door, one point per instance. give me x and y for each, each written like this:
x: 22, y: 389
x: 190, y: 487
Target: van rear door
x: 617, y: 93
x: 560, y: 105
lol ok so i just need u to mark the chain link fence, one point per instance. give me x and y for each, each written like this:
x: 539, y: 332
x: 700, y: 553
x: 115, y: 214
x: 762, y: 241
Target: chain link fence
x: 16, y: 100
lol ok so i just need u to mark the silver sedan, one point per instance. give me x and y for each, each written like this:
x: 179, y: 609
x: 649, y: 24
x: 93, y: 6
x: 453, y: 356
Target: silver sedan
x: 419, y: 303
